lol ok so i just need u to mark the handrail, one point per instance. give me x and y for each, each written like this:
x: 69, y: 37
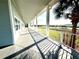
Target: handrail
x: 69, y: 47
x: 64, y: 31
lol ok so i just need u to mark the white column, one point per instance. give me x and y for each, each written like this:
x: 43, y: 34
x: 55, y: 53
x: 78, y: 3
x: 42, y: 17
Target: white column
x: 28, y: 25
x: 47, y: 20
x: 36, y: 24
x: 33, y: 24
x: 61, y: 37
x: 12, y: 20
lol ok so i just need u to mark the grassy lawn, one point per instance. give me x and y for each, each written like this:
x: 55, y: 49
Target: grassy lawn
x: 42, y: 31
x: 55, y: 35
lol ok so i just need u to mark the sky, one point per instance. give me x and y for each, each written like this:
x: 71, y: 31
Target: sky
x: 53, y: 20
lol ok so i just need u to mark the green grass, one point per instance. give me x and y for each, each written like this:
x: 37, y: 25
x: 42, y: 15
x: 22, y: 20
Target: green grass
x: 42, y: 31
x: 54, y: 35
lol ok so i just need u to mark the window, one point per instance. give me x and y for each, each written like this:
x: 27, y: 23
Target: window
x: 17, y: 24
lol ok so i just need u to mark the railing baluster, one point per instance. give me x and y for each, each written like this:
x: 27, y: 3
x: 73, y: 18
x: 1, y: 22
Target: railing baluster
x: 62, y: 55
x: 66, y: 55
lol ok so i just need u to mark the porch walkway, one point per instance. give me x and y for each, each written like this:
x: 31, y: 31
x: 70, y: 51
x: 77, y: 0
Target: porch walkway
x: 23, y: 41
x: 32, y: 45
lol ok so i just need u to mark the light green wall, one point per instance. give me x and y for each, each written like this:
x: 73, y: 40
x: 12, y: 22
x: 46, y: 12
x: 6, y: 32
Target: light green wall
x: 5, y: 25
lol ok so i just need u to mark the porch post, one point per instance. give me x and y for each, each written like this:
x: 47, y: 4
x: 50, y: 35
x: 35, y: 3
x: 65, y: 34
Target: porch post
x: 47, y: 20
x: 36, y: 24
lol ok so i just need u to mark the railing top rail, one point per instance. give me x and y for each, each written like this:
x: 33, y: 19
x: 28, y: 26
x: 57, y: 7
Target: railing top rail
x: 64, y: 31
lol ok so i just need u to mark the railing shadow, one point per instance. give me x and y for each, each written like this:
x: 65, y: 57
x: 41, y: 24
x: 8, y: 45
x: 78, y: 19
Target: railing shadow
x: 23, y: 50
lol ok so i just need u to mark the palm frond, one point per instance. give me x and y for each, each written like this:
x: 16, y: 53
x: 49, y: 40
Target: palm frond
x: 65, y: 4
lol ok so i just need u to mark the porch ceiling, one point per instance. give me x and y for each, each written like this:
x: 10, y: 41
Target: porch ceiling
x: 28, y: 9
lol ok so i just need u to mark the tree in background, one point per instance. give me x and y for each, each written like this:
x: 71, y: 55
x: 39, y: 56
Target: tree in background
x: 73, y: 5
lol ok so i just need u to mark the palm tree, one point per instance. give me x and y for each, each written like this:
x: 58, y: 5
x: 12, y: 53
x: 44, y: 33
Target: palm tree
x: 73, y: 5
